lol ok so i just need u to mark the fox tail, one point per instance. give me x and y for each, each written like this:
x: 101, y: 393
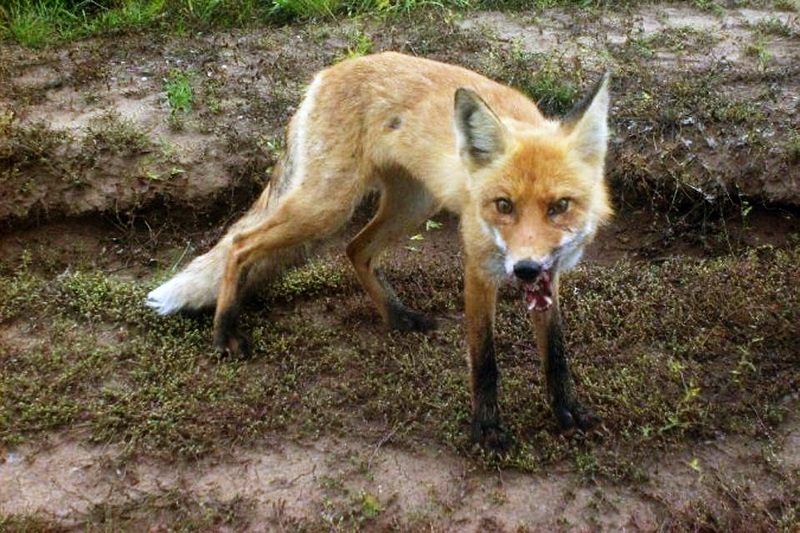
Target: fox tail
x: 197, y: 285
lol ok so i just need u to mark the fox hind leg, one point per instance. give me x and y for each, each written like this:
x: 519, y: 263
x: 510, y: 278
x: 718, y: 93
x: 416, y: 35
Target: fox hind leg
x: 298, y: 218
x: 404, y: 205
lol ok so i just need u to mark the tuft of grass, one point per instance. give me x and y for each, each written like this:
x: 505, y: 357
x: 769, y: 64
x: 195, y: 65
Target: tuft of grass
x: 304, y: 9
x: 32, y: 28
x: 786, y: 5
x: 793, y: 145
x: 545, y: 4
x: 316, y: 278
x: 757, y: 48
x: 361, y: 45
x: 711, y: 6
x: 173, y: 510
x: 20, y: 290
x: 113, y: 133
x: 545, y: 78
x: 180, y: 94
x: 32, y: 157
x: 775, y: 26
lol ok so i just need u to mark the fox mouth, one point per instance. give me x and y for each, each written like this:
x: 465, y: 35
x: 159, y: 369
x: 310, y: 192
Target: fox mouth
x: 538, y: 294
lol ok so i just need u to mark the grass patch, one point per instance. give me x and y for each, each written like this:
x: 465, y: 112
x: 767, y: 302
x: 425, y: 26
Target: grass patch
x: 547, y: 79
x: 115, y: 134
x: 31, y: 156
x: 39, y: 23
x: 172, y: 510
x: 656, y: 350
x: 673, y: 40
x: 775, y: 26
x: 360, y: 44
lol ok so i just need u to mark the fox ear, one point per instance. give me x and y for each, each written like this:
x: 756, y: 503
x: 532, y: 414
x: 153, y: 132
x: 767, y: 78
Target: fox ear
x: 587, y: 123
x: 480, y: 135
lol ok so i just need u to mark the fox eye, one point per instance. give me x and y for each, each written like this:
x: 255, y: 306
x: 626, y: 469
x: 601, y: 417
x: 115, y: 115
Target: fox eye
x: 504, y: 206
x: 558, y: 207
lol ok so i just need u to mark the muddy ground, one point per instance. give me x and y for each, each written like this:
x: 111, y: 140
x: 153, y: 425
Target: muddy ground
x: 684, y: 318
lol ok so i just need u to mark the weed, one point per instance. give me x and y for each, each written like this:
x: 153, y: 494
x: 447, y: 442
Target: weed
x: 311, y: 280
x: 113, y: 133
x: 786, y: 5
x: 304, y: 8
x: 775, y: 26
x: 370, y: 505
x: 546, y: 78
x: 711, y: 6
x: 544, y: 4
x: 757, y: 48
x: 361, y: 45
x: 32, y: 28
x: 32, y: 157
x: 18, y: 291
x: 174, y: 510
x: 180, y: 94
x: 793, y: 145
x: 674, y: 40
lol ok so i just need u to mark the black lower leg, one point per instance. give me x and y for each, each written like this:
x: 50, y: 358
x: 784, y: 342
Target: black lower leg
x: 228, y: 340
x: 399, y: 316
x: 487, y: 427
x: 571, y: 415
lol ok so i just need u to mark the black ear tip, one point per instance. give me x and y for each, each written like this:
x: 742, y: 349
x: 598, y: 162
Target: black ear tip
x: 580, y: 108
x: 464, y: 95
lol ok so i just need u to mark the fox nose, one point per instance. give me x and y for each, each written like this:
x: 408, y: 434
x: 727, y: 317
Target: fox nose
x: 527, y: 270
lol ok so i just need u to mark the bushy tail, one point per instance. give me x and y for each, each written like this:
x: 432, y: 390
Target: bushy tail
x: 197, y: 285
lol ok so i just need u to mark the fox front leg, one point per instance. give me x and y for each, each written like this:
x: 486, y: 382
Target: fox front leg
x: 570, y: 414
x: 480, y: 294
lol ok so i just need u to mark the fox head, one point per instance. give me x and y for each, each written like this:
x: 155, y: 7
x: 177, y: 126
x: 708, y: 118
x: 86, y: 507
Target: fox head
x: 537, y: 191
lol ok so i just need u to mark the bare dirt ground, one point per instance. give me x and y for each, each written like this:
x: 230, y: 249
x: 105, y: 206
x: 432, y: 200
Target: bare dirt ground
x: 103, y: 176
x: 64, y: 479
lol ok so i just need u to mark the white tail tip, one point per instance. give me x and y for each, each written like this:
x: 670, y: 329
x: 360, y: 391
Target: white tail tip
x: 162, y: 299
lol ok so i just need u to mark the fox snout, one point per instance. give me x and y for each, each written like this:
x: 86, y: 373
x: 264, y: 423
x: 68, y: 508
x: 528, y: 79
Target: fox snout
x: 527, y: 270
x: 535, y: 280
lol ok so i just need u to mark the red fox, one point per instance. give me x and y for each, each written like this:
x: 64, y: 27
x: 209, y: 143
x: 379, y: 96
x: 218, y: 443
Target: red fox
x: 530, y: 193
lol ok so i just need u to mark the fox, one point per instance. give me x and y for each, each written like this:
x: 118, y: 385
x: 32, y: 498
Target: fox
x: 529, y: 192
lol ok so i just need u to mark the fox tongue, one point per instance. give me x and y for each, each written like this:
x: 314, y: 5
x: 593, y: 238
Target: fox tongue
x: 539, y: 294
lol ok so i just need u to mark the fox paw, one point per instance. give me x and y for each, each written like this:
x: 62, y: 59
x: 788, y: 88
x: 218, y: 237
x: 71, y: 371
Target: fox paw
x: 574, y: 417
x: 232, y: 344
x: 402, y: 318
x: 491, y: 437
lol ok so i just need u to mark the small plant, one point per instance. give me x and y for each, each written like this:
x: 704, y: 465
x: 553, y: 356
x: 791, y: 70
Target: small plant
x: 304, y: 8
x: 545, y: 78
x: 361, y: 45
x: 180, y: 94
x: 116, y: 134
x: 709, y: 5
x: 793, y: 146
x: 774, y: 26
x: 757, y: 49
x: 786, y: 5
x: 30, y: 28
x: 370, y: 504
